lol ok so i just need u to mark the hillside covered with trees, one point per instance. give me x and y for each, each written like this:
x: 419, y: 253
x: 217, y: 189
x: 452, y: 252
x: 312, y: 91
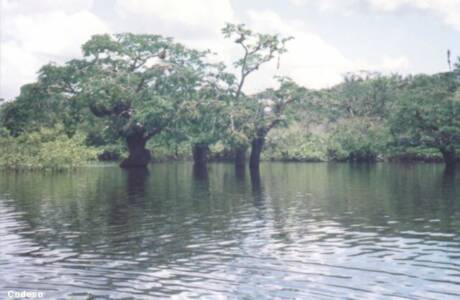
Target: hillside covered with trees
x: 139, y: 98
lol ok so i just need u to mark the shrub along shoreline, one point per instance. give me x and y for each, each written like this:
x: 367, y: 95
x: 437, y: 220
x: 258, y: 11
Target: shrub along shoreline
x: 46, y: 149
x: 52, y: 150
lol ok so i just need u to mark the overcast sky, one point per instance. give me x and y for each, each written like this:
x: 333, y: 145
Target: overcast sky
x: 332, y: 37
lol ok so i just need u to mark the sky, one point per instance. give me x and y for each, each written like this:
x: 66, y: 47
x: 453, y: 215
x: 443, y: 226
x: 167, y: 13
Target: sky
x: 331, y: 37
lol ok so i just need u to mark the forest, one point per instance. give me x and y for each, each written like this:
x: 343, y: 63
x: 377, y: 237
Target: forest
x: 137, y: 98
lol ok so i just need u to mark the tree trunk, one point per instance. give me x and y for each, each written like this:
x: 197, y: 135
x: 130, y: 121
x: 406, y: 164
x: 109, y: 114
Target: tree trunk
x: 257, y: 189
x: 449, y: 156
x: 256, y: 150
x: 200, y: 155
x: 240, y: 157
x: 138, y: 155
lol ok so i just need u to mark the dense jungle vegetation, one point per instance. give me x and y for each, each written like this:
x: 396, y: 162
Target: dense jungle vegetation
x: 137, y: 98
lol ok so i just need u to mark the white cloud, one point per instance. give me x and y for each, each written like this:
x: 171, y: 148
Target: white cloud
x: 394, y: 64
x: 18, y: 67
x: 34, y: 34
x: 310, y: 60
x: 298, y: 2
x: 11, y: 7
x: 203, y: 13
x: 385, y: 65
x: 446, y: 10
x: 345, y: 7
x: 55, y: 34
x: 197, y: 23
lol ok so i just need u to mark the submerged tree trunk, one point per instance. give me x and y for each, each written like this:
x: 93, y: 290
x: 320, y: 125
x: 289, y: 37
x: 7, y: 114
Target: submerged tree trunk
x: 240, y: 157
x: 449, y: 156
x: 257, y: 189
x: 256, y: 150
x: 200, y: 155
x: 138, y: 155
x: 200, y: 171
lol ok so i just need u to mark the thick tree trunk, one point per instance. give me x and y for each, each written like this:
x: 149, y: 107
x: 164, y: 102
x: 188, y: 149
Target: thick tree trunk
x: 449, y: 156
x: 138, y: 155
x: 240, y: 157
x: 200, y: 155
x: 256, y: 150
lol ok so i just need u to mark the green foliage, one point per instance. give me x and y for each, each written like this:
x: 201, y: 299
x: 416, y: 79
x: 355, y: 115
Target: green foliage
x: 31, y: 110
x: 413, y: 153
x: 428, y: 113
x: 258, y: 49
x: 45, y: 149
x: 295, y: 144
x: 358, y: 139
x: 204, y: 117
x: 47, y: 102
x: 364, y: 95
x: 139, y: 81
x: 111, y: 152
x: 139, y: 87
x: 169, y: 151
x: 370, y: 117
x: 269, y: 107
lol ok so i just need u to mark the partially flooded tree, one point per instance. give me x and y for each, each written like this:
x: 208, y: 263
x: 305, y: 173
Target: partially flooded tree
x: 258, y: 49
x: 140, y: 82
x: 204, y: 118
x: 269, y: 111
x: 137, y: 83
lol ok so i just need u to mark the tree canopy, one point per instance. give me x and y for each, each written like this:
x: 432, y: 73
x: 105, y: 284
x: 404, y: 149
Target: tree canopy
x: 128, y: 89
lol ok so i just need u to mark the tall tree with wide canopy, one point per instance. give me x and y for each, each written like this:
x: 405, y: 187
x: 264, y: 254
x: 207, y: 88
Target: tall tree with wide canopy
x: 137, y: 83
x: 141, y: 82
x: 258, y: 49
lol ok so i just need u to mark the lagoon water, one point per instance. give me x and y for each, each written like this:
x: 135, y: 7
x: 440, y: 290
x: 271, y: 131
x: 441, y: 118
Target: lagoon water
x: 297, y: 231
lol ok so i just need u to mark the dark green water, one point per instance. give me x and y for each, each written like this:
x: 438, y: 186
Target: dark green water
x: 302, y: 231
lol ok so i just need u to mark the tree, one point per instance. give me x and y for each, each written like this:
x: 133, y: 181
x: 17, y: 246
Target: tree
x: 258, y: 49
x: 360, y: 139
x: 204, y: 118
x: 428, y: 114
x: 356, y: 111
x: 269, y: 112
x: 37, y: 107
x: 136, y: 82
x: 364, y: 94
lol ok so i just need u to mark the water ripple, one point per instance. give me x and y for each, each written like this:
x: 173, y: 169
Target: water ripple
x: 301, y: 232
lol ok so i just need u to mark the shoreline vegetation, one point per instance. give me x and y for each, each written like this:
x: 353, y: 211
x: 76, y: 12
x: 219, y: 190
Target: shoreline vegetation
x: 43, y: 150
x: 144, y: 98
x: 52, y: 150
